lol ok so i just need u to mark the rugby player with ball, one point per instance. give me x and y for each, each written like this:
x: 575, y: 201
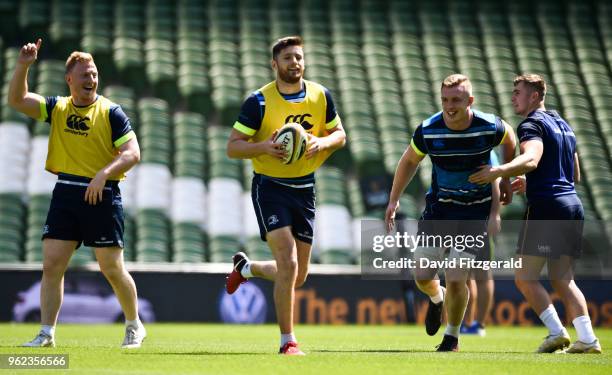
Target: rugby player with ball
x: 285, y: 158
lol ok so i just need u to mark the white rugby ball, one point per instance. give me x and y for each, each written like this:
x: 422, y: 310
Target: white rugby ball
x: 294, y: 140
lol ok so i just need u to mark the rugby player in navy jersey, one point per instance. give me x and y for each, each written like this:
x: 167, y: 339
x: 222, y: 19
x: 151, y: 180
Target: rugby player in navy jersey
x: 550, y: 163
x: 458, y: 140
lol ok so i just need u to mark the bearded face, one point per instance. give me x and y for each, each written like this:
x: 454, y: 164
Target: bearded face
x: 289, y: 64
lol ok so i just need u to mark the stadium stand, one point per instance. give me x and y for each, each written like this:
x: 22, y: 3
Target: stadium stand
x: 181, y: 71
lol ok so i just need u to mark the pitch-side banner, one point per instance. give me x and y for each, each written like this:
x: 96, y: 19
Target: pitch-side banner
x: 324, y: 299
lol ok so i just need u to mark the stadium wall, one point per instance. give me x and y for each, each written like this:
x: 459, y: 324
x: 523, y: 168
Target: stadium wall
x: 327, y: 298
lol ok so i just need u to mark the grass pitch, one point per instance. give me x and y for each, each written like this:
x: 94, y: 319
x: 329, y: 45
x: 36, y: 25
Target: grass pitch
x: 247, y: 349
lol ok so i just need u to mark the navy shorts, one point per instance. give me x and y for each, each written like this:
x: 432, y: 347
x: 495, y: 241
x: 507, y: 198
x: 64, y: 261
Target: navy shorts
x: 277, y: 206
x: 553, y: 227
x: 446, y: 219
x: 70, y: 218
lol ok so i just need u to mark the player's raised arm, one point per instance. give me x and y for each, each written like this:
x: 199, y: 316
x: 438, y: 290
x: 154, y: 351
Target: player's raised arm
x: 19, y: 97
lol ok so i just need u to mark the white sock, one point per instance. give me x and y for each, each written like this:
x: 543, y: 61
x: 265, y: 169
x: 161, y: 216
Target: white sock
x: 438, y: 297
x: 48, y: 330
x: 452, y: 330
x: 551, y: 320
x: 246, y: 271
x: 286, y: 337
x: 584, y: 329
x: 134, y: 323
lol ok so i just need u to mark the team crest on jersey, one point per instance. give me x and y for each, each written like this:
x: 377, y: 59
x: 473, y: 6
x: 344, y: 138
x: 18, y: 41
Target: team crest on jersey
x: 273, y: 220
x: 300, y: 119
x: 438, y: 143
x: 77, y: 125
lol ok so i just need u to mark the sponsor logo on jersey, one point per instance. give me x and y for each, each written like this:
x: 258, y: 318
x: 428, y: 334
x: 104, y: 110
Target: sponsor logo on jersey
x: 77, y: 125
x: 300, y: 119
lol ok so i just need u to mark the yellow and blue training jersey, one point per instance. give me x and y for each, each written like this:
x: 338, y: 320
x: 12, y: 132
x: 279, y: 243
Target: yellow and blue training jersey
x: 85, y: 139
x: 267, y: 110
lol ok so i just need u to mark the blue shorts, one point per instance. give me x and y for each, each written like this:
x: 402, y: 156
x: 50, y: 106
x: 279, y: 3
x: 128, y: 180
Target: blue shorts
x: 70, y: 218
x: 277, y: 206
x: 447, y: 219
x: 553, y: 227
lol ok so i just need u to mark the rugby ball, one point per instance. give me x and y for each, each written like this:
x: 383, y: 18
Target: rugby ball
x: 294, y: 140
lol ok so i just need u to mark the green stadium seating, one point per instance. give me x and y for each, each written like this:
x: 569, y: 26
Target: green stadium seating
x: 191, y: 63
x: 97, y: 35
x: 9, y: 26
x: 189, y: 145
x: 33, y: 19
x: 155, y: 131
x: 65, y: 26
x: 12, y: 214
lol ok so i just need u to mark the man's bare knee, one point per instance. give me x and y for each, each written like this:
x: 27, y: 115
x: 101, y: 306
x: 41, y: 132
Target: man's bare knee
x: 53, y: 267
x: 53, y: 270
x: 56, y: 255
x: 112, y: 271
x: 286, y: 268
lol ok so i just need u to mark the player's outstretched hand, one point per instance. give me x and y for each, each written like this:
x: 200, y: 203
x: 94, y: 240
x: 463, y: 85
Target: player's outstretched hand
x: 29, y: 53
x: 485, y: 175
x: 519, y: 185
x: 314, y: 146
x: 274, y: 149
x: 390, y: 215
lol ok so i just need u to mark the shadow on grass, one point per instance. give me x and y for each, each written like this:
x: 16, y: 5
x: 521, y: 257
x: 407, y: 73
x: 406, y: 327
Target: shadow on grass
x: 408, y: 351
x: 214, y: 353
x: 210, y: 353
x: 204, y: 353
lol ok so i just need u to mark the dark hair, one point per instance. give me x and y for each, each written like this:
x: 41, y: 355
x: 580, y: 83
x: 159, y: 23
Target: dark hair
x: 534, y: 82
x: 285, y: 42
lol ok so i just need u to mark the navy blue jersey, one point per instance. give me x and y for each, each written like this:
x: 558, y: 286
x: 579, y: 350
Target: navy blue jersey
x: 455, y: 155
x: 554, y: 175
